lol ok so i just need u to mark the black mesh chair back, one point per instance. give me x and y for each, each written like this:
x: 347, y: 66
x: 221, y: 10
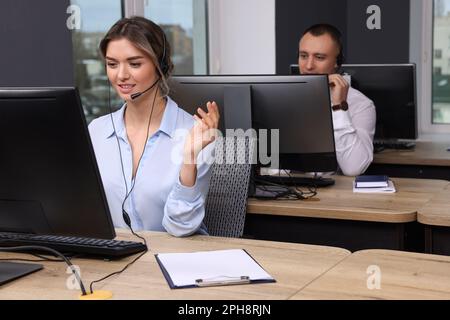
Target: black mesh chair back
x: 226, y: 204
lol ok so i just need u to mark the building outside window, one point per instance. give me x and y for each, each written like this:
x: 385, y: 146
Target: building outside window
x: 184, y: 22
x: 438, y: 54
x: 441, y: 62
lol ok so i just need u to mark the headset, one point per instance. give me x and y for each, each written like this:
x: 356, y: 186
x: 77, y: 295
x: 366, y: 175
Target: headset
x: 162, y: 63
x: 336, y: 35
x: 164, y: 67
x: 340, y: 59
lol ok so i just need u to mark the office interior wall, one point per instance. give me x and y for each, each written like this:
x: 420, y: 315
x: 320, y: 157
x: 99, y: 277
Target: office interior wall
x: 390, y: 44
x: 36, y: 45
x: 241, y: 36
x: 293, y: 17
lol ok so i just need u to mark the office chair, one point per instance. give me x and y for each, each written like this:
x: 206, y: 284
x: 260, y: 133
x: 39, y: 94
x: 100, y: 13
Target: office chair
x: 226, y: 204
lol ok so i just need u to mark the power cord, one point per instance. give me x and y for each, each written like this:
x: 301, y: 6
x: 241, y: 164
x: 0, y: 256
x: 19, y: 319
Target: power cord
x: 42, y: 258
x: 279, y: 191
x: 312, y: 190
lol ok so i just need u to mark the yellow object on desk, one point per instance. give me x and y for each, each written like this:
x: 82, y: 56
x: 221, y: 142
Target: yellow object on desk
x: 97, y: 295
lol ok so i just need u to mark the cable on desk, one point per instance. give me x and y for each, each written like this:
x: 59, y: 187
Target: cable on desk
x: 43, y: 258
x: 117, y: 272
x: 286, y: 192
x: 54, y: 252
x: 33, y: 260
x: 129, y: 264
x: 312, y: 191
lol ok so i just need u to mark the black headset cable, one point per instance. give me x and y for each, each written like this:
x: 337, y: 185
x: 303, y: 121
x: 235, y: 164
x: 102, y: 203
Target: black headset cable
x: 125, y: 215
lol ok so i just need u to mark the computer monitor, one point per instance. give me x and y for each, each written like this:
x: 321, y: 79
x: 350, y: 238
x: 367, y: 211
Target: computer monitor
x: 392, y: 88
x: 49, y: 180
x: 298, y: 106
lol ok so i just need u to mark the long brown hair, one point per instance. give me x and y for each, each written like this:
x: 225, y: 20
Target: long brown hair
x: 148, y: 37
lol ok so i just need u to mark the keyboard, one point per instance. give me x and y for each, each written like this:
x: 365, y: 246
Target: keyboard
x: 76, y: 245
x: 296, y: 181
x: 398, y: 145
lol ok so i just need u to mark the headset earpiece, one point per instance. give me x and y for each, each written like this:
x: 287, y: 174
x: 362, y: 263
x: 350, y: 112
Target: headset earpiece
x: 340, y: 59
x: 162, y: 63
x: 164, y: 68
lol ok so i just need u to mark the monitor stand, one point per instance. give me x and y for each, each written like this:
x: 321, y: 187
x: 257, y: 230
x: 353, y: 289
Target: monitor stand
x: 10, y: 271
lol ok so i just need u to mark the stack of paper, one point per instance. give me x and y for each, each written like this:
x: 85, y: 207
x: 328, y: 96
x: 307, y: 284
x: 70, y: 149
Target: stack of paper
x: 390, y: 188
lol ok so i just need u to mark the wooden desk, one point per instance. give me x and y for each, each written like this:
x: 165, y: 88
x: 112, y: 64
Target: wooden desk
x: 429, y: 160
x: 292, y: 265
x: 342, y: 218
x: 435, y: 215
x: 404, y: 275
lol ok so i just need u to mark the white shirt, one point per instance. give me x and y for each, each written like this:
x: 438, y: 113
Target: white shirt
x: 354, y: 130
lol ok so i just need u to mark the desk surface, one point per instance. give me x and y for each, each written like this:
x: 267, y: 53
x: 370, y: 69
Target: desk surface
x: 339, y: 202
x: 292, y: 265
x: 437, y: 211
x: 426, y: 153
x: 404, y: 275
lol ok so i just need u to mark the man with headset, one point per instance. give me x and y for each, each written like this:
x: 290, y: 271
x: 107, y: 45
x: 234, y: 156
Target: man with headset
x: 354, y: 117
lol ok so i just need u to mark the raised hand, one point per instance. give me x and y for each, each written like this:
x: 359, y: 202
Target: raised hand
x: 203, y: 133
x: 339, y: 88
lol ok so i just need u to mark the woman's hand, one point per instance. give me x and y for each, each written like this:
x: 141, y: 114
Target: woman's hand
x: 203, y: 133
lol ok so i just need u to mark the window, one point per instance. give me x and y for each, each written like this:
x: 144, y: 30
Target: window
x: 441, y: 63
x: 97, y: 16
x: 184, y: 22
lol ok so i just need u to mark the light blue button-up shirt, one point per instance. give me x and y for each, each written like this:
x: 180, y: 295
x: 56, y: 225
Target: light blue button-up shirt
x: 158, y: 202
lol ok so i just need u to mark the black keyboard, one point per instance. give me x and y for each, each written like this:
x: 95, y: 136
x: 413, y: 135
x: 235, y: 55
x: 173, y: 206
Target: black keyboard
x: 76, y: 245
x: 397, y: 145
x: 295, y: 181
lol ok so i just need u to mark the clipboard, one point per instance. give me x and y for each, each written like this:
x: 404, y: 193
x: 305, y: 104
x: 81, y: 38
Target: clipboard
x: 211, y: 268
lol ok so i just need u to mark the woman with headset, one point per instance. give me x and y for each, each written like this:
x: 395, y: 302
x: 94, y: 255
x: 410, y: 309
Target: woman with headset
x: 154, y: 158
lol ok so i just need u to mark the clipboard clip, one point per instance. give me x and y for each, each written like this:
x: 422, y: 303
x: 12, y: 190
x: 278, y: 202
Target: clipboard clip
x: 222, y: 282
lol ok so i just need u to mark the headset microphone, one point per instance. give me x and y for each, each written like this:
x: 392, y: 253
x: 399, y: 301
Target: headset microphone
x: 138, y: 94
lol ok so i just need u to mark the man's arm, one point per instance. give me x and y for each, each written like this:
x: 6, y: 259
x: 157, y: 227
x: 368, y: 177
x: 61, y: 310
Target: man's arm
x: 354, y: 131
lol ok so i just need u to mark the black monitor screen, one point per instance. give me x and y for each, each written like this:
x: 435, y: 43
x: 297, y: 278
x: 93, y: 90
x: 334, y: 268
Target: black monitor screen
x: 392, y: 88
x: 49, y: 180
x: 298, y: 106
